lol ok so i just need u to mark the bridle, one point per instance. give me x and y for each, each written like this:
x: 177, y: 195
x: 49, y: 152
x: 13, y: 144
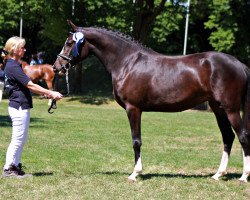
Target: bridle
x: 78, y: 39
x: 64, y: 68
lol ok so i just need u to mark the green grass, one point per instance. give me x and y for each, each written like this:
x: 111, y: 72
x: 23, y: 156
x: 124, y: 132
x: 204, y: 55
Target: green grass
x: 84, y: 151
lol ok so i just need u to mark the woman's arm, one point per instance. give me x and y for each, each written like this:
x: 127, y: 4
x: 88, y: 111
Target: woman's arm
x: 37, y: 89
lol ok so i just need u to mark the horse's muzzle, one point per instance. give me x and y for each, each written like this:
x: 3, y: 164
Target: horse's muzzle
x: 63, y: 69
x: 55, y: 69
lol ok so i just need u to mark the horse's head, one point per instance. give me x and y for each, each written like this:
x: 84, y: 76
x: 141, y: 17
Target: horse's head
x: 75, y: 49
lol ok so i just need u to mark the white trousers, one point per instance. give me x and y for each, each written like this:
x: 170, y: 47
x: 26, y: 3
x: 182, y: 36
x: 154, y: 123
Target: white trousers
x: 1, y: 90
x: 20, y: 125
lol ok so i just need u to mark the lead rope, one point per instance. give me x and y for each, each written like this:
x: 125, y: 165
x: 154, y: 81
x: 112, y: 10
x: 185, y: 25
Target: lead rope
x: 52, y: 106
x: 53, y: 103
x: 67, y: 81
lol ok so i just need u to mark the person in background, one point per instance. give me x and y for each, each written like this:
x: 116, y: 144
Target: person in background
x: 40, y: 57
x: 2, y: 75
x: 18, y: 86
x: 34, y: 60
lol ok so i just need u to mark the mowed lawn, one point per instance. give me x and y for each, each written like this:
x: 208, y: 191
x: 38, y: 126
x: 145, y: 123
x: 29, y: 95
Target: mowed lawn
x: 84, y: 151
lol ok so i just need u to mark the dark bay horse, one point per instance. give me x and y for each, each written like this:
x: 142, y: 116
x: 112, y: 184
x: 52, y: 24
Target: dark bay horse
x: 40, y: 72
x: 144, y: 80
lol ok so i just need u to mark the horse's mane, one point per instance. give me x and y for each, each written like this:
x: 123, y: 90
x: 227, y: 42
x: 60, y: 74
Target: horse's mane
x: 122, y: 36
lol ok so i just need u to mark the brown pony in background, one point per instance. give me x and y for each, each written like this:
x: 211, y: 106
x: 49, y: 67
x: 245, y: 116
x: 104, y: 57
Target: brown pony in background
x: 40, y: 72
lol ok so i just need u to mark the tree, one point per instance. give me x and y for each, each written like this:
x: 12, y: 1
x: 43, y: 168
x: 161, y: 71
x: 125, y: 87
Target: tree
x: 32, y: 14
x: 214, y: 25
x: 229, y: 27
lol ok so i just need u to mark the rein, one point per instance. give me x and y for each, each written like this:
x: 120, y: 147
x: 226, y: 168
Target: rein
x: 65, y: 68
x: 53, y: 103
x: 67, y: 81
x: 68, y: 64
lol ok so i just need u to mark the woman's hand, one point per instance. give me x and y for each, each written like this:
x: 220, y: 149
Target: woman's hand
x: 54, y: 95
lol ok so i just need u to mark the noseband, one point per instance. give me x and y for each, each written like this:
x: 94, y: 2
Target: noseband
x: 64, y: 67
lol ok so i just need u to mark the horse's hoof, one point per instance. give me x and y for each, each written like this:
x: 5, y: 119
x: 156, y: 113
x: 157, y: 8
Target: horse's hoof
x: 244, y: 176
x: 242, y: 180
x: 131, y: 180
x: 218, y: 175
x: 214, y: 177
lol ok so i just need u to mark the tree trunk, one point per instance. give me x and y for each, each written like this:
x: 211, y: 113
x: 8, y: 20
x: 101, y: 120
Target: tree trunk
x: 146, y: 13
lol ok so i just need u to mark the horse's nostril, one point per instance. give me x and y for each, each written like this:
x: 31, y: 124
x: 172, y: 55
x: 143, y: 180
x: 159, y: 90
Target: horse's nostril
x: 55, y: 69
x: 63, y: 71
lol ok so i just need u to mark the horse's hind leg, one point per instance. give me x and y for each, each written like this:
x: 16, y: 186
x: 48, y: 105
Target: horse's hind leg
x: 49, y: 85
x: 134, y: 116
x: 243, y: 135
x: 227, y: 136
x: 246, y: 168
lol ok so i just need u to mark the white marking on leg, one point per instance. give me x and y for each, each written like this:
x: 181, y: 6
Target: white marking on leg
x: 137, y: 170
x: 246, y: 168
x: 223, y: 166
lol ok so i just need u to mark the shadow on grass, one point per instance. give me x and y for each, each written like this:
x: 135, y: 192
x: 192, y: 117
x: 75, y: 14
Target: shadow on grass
x: 6, y: 122
x: 184, y: 176
x: 178, y: 175
x: 43, y: 174
x: 91, y: 99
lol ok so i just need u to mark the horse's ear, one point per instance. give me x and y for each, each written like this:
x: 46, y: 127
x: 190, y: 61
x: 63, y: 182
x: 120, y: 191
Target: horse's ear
x: 72, y: 26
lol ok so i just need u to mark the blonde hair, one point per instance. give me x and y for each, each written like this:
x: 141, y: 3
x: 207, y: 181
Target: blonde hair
x: 14, y: 43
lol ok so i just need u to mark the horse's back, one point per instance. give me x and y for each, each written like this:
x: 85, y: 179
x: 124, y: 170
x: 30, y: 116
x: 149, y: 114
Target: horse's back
x: 176, y: 83
x: 38, y: 72
x: 48, y: 70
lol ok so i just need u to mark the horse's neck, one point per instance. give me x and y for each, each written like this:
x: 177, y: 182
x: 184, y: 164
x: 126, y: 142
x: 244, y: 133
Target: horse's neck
x: 24, y: 64
x: 110, y: 50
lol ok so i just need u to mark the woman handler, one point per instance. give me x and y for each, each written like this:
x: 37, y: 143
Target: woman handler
x: 18, y: 86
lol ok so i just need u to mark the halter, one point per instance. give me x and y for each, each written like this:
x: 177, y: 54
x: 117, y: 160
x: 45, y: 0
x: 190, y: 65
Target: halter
x: 63, y: 68
x: 78, y: 38
x: 66, y: 66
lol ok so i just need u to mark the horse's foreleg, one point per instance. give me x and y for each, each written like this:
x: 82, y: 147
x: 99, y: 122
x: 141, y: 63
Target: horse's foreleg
x: 244, y: 138
x: 50, y: 102
x: 134, y: 116
x: 243, y: 134
x: 49, y: 85
x: 223, y: 166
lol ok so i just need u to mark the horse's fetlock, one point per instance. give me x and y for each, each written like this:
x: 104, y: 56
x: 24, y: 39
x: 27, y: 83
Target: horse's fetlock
x: 137, y: 143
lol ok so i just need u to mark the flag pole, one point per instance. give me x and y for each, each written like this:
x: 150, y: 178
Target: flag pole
x: 186, y: 29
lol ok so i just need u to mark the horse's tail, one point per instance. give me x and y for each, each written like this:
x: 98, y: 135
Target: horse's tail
x: 246, y: 110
